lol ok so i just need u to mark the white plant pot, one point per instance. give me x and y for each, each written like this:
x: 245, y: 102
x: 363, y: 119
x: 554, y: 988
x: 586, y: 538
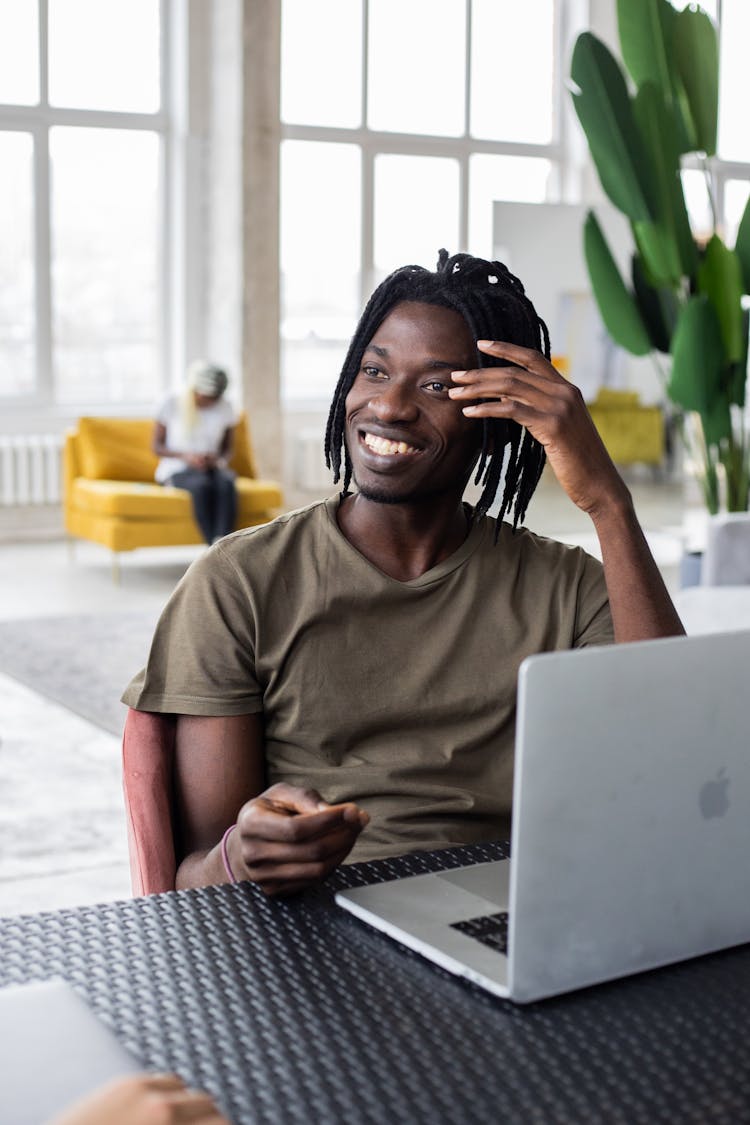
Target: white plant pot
x: 726, y: 558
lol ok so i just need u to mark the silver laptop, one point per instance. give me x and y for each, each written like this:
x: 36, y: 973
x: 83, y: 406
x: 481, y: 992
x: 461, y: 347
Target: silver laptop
x: 631, y: 826
x: 53, y: 1051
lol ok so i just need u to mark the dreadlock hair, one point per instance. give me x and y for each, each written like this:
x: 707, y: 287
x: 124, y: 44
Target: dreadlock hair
x: 493, y: 303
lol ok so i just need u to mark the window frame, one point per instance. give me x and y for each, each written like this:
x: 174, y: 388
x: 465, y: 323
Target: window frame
x: 572, y: 178
x: 37, y: 120
x: 565, y: 160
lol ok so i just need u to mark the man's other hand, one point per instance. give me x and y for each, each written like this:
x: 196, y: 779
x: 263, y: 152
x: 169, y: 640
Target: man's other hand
x: 288, y: 838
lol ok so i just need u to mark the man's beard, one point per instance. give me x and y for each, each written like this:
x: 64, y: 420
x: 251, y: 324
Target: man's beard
x: 383, y: 496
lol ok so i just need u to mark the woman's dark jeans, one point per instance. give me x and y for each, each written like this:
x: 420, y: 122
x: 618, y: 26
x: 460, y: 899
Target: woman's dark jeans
x: 214, y: 499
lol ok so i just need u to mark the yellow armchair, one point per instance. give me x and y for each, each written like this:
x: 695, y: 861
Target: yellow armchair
x: 110, y: 496
x: 631, y: 431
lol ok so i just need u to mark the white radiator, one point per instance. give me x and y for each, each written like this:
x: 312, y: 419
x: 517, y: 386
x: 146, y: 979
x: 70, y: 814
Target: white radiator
x: 30, y: 468
x: 310, y: 470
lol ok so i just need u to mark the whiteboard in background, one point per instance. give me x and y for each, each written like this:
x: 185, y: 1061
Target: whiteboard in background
x: 542, y: 244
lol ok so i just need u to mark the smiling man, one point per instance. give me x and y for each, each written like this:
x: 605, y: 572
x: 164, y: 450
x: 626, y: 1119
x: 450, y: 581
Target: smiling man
x: 345, y: 677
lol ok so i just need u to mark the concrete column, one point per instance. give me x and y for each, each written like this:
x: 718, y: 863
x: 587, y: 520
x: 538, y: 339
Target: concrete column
x: 261, y: 376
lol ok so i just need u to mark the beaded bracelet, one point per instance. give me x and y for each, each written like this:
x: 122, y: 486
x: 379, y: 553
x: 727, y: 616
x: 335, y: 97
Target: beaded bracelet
x: 225, y: 854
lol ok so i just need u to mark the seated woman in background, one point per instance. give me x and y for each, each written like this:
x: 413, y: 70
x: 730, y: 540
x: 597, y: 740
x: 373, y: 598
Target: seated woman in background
x: 193, y: 439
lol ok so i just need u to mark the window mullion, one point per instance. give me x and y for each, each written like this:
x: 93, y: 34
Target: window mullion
x: 463, y: 164
x: 43, y: 265
x: 42, y: 233
x: 367, y: 233
x: 367, y: 276
x: 167, y: 175
x: 43, y: 11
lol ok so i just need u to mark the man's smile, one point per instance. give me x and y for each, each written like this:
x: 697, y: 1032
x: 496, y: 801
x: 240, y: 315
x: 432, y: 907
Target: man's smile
x: 386, y: 447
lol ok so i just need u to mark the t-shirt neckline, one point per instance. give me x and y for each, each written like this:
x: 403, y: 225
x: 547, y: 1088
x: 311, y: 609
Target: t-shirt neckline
x: 475, y: 537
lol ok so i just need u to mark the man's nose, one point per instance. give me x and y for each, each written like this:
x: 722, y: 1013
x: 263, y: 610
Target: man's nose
x: 393, y: 401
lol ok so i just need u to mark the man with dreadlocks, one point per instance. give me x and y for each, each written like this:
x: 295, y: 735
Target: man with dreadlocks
x: 345, y: 676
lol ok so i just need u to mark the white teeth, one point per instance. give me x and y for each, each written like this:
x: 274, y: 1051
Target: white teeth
x: 385, y: 447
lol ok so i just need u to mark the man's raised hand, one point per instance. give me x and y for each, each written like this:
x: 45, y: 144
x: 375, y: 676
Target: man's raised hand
x: 533, y: 393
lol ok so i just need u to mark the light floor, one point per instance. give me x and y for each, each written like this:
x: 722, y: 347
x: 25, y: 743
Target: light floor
x: 62, y: 829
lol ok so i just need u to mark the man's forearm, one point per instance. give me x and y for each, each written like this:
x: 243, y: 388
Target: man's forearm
x: 639, y: 602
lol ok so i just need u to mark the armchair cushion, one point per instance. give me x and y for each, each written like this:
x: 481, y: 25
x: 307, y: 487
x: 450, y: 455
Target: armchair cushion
x: 630, y: 430
x: 116, y: 449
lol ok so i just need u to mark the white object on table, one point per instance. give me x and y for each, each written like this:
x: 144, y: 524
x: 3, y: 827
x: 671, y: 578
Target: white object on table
x: 714, y: 609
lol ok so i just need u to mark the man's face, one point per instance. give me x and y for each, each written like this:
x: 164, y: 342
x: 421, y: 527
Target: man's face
x: 406, y: 438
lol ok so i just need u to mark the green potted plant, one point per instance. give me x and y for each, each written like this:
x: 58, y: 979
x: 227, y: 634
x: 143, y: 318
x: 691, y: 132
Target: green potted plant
x: 684, y: 297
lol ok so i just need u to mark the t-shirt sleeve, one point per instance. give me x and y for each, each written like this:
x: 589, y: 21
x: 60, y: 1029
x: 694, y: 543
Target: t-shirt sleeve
x: 593, y: 621
x: 202, y: 658
x: 232, y: 414
x: 163, y: 413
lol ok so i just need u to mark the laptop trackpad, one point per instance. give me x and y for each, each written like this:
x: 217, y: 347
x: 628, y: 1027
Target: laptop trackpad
x: 488, y: 880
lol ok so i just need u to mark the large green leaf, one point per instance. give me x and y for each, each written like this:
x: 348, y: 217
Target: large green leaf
x: 687, y: 139
x: 641, y: 34
x: 658, y: 307
x: 695, y: 54
x: 737, y: 375
x: 616, y: 303
x: 665, y: 243
x: 720, y: 278
x: 717, y: 420
x: 697, y: 358
x: 606, y: 114
x: 742, y: 246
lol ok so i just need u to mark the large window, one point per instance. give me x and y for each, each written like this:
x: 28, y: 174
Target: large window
x: 400, y: 130
x: 82, y: 320
x: 442, y: 107
x: 725, y: 193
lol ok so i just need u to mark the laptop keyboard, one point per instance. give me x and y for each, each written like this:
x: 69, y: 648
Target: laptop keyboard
x: 490, y: 929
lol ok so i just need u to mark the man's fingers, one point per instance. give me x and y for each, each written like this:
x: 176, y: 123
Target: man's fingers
x: 289, y: 838
x: 521, y: 360
x: 507, y: 408
x: 514, y: 387
x: 498, y: 380
x: 293, y: 797
x: 514, y: 352
x: 257, y: 854
x: 291, y: 878
x: 260, y: 819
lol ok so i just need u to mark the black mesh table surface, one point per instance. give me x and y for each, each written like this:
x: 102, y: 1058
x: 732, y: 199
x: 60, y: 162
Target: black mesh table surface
x: 297, y: 1012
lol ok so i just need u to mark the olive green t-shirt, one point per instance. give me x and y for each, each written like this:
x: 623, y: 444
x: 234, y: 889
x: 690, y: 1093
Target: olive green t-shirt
x: 400, y: 696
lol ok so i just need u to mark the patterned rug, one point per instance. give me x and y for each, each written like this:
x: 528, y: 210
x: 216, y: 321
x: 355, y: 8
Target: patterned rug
x: 82, y: 662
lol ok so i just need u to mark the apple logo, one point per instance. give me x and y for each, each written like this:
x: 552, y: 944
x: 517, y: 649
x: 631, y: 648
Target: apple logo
x: 713, y: 798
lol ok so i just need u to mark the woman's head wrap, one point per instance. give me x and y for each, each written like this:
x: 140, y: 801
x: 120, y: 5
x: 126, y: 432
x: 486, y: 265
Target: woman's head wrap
x: 207, y: 379
x: 203, y: 378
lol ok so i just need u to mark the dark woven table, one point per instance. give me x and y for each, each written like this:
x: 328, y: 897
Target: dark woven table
x: 296, y: 1012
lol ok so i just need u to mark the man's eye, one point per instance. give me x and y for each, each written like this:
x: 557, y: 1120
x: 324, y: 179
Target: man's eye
x: 437, y: 386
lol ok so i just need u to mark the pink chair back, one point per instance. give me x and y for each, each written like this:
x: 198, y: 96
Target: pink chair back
x: 147, y: 763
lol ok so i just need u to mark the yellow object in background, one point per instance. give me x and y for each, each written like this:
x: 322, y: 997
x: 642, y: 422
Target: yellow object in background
x: 631, y: 432
x: 562, y: 364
